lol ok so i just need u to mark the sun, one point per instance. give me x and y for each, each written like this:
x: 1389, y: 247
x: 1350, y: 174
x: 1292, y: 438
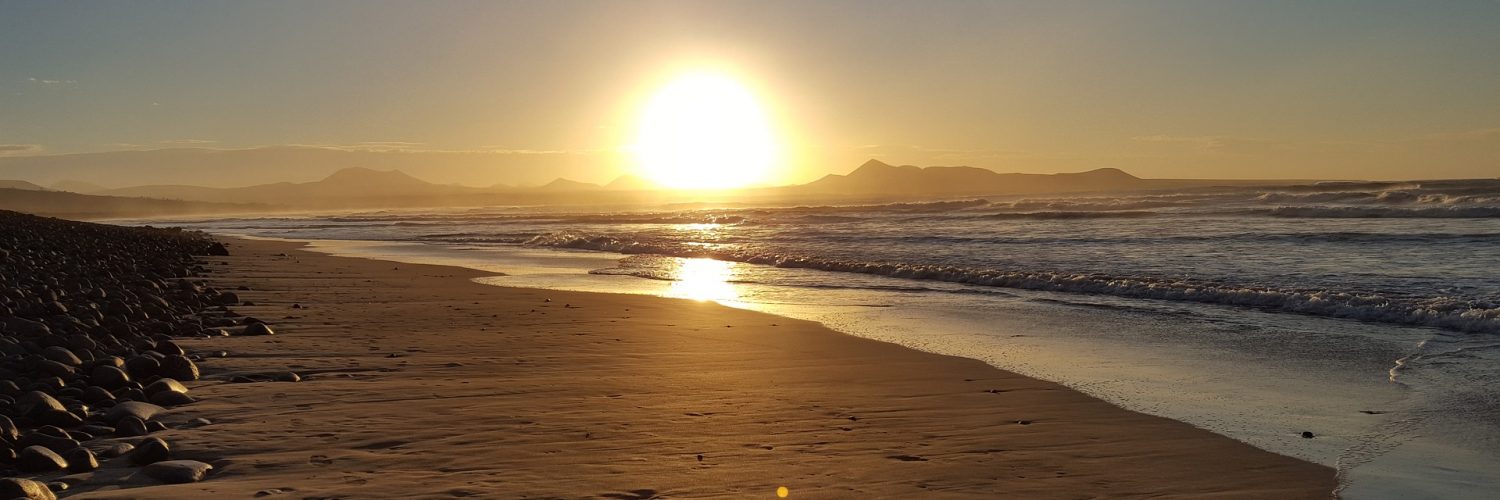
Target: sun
x: 704, y: 130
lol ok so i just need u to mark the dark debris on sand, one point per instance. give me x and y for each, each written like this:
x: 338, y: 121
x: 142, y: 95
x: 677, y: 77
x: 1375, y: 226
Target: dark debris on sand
x: 87, y: 317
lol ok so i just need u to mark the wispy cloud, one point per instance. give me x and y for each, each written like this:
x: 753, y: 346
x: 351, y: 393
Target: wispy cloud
x: 182, y: 142
x: 19, y: 149
x: 44, y: 81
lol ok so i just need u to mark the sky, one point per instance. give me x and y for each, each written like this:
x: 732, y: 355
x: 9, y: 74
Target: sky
x: 1184, y: 89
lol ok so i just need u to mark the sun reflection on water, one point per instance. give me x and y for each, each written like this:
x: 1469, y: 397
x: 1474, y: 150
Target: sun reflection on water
x: 703, y: 280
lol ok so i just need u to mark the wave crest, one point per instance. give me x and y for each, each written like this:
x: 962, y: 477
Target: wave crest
x: 1440, y: 312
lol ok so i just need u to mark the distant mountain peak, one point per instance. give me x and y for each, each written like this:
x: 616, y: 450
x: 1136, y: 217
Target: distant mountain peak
x: 629, y: 182
x: 561, y: 184
x: 876, y: 177
x: 364, y: 175
x: 1109, y: 172
x: 22, y: 185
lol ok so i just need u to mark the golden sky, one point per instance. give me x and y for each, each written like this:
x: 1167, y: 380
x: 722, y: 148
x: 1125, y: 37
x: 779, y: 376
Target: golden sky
x: 1332, y: 89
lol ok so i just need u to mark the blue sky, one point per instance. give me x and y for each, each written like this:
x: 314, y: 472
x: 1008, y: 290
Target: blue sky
x: 1164, y: 89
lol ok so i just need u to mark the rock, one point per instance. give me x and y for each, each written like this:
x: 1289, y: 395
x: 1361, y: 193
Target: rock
x: 80, y: 460
x: 36, y: 402
x: 62, y: 355
x: 165, y: 384
x: 179, y: 367
x: 150, y: 451
x: 132, y: 394
x: 257, y: 329
x: 116, y: 450
x: 38, y: 459
x: 60, y: 418
x: 108, y: 377
x: 142, y: 367
x: 56, y: 443
x: 177, y: 471
x: 137, y: 409
x: 170, y: 398
x: 216, y: 249
x: 55, y: 369
x: 1307, y: 435
x: 131, y: 427
x: 288, y: 377
x: 97, y: 430
x: 9, y: 433
x: 95, y: 394
x: 54, y: 431
x: 18, y: 488
x: 169, y: 348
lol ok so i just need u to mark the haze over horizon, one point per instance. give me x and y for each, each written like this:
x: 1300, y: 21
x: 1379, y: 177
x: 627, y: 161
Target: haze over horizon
x: 522, y: 93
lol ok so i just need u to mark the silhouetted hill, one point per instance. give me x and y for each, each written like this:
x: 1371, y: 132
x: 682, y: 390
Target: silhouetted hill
x: 629, y: 182
x: 566, y: 185
x: 349, y: 183
x: 363, y: 188
x: 4, y: 184
x: 246, y: 167
x: 83, y: 206
x: 78, y: 187
x: 875, y: 178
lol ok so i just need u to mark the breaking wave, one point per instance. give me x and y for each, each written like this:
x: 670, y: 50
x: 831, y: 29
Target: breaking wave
x: 1440, y: 312
x: 1365, y: 212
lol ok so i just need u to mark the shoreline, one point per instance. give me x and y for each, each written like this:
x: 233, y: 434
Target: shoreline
x: 507, y: 400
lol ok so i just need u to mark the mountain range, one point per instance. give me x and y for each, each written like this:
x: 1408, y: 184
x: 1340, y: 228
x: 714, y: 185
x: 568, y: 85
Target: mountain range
x: 361, y: 188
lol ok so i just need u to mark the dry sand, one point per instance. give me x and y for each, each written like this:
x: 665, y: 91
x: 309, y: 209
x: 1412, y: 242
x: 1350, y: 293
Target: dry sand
x: 422, y: 384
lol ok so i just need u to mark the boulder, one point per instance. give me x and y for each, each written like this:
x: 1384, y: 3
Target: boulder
x: 137, y: 409
x: 36, y: 403
x: 18, y: 488
x: 177, y: 471
x: 131, y: 427
x: 258, y: 329
x: 108, y: 377
x: 39, y: 459
x: 170, y: 398
x: 80, y: 460
x: 112, y: 450
x: 9, y: 433
x: 150, y: 451
x: 62, y: 355
x: 165, y: 384
x: 179, y: 367
x: 142, y: 367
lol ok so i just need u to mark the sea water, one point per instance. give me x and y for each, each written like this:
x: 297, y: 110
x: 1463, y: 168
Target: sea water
x: 1365, y: 313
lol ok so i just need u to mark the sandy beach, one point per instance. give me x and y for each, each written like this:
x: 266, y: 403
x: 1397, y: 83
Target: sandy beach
x: 418, y: 383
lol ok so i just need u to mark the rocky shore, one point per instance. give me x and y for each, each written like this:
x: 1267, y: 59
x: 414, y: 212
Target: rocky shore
x: 88, y: 314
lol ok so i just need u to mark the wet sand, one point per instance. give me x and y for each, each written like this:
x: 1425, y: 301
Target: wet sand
x: 418, y: 383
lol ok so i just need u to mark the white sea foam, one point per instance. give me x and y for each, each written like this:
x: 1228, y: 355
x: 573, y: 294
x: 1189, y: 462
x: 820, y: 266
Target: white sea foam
x: 1441, y: 312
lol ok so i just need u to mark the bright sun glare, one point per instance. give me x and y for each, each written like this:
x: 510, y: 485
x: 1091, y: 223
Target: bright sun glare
x: 705, y: 131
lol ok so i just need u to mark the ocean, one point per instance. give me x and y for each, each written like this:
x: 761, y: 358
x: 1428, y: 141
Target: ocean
x: 1366, y: 313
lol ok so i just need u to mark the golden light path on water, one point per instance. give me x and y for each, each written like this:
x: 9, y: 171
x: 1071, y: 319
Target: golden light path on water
x: 704, y: 280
